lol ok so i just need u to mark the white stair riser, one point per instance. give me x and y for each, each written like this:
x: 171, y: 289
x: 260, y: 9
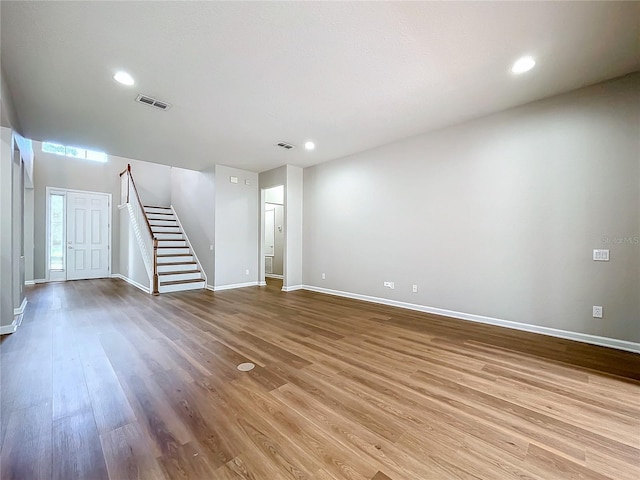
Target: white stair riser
x: 165, y: 223
x: 180, y: 287
x: 172, y: 243
x: 157, y: 216
x: 173, y: 251
x: 179, y: 276
x: 169, y: 236
x: 173, y: 268
x: 165, y: 229
x: 157, y: 210
x: 161, y: 260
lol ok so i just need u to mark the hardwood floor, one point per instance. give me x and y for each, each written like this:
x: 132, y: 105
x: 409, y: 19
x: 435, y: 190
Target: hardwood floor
x: 105, y: 382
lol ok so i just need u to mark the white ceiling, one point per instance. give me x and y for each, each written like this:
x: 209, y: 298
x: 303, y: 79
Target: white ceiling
x: 242, y: 76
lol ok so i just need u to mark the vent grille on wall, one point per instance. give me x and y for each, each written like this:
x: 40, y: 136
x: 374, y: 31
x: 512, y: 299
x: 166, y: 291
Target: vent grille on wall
x: 152, y: 102
x: 285, y: 145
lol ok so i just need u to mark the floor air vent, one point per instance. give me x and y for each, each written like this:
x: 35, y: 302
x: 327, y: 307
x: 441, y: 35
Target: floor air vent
x: 285, y: 145
x: 152, y: 102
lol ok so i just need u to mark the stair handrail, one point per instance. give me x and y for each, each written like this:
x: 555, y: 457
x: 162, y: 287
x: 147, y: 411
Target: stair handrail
x: 141, y: 212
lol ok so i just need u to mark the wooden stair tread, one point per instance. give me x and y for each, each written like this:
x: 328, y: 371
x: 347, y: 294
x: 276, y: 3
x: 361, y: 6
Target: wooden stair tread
x: 175, y: 263
x: 178, y: 282
x: 172, y: 247
x: 178, y: 272
x: 160, y: 225
x: 174, y: 254
x: 154, y: 206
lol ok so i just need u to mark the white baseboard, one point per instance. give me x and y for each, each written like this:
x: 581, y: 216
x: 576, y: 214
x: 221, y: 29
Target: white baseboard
x: 553, y: 332
x: 262, y: 284
x: 273, y: 275
x: 7, y: 329
x: 40, y: 280
x: 20, y: 309
x: 231, y: 286
x: 132, y: 282
x: 29, y: 282
x: 293, y: 288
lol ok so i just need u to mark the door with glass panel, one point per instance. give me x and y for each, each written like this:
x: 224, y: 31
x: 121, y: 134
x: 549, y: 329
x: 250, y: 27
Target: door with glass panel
x: 79, y: 235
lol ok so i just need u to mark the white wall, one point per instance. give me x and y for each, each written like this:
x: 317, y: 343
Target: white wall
x: 153, y: 182
x: 193, y: 197
x: 236, y: 227
x: 8, y: 116
x: 29, y: 246
x: 293, y: 221
x: 6, y: 264
x: 130, y: 259
x: 496, y: 217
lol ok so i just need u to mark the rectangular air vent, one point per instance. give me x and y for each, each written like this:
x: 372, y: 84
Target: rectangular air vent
x: 285, y: 145
x: 152, y: 102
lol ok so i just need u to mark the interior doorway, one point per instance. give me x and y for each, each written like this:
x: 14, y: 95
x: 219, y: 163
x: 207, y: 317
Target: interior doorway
x: 272, y: 243
x: 78, y: 234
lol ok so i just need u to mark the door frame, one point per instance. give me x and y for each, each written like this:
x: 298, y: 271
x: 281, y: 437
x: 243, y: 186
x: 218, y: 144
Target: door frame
x: 261, y: 251
x: 63, y: 191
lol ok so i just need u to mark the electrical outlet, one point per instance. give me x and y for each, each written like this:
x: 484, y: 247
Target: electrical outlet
x: 597, y: 311
x: 415, y: 289
x: 246, y: 272
x: 390, y: 285
x: 323, y: 276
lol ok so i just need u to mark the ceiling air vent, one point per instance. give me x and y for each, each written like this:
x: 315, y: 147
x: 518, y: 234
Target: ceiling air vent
x: 285, y: 145
x: 152, y: 102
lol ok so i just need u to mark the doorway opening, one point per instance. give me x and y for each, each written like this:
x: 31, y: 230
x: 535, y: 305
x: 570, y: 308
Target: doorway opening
x: 272, y: 254
x: 78, y: 234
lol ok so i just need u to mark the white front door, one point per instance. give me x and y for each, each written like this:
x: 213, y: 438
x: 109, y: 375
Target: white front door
x: 87, y: 235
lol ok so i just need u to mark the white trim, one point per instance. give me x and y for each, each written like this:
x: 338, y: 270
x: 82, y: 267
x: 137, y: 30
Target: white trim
x: 273, y: 275
x: 7, y: 329
x: 553, y: 332
x: 293, y: 288
x: 262, y: 284
x: 29, y: 282
x: 232, y: 285
x: 40, y: 280
x: 132, y: 282
x: 20, y: 309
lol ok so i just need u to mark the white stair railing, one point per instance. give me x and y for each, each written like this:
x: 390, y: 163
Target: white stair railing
x: 147, y: 241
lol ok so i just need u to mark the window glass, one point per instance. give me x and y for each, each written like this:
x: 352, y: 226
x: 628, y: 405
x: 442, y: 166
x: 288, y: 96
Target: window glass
x: 57, y: 233
x: 74, y: 152
x: 53, y: 148
x: 96, y: 156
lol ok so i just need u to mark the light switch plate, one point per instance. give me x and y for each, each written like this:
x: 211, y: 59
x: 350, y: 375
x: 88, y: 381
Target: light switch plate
x: 601, y: 255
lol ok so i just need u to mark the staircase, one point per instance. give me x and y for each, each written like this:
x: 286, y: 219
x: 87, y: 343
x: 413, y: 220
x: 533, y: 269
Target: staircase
x: 177, y: 266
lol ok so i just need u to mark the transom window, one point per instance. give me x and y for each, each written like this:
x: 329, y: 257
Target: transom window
x: 74, y: 152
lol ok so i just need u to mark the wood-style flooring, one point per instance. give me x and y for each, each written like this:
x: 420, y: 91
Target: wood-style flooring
x: 105, y: 382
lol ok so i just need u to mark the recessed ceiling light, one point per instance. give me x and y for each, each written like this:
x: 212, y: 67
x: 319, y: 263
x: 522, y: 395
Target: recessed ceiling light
x: 124, y: 78
x: 309, y: 145
x: 523, y: 64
